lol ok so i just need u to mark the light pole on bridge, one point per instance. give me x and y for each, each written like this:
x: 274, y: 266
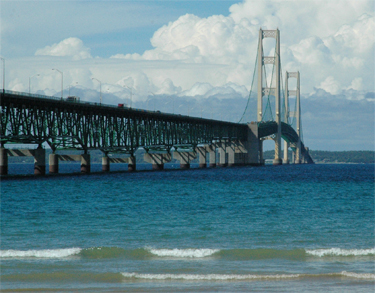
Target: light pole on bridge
x: 30, y: 81
x: 131, y: 95
x: 3, y: 59
x: 154, y: 100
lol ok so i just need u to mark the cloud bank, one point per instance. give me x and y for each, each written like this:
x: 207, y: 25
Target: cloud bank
x: 331, y: 43
x: 71, y: 47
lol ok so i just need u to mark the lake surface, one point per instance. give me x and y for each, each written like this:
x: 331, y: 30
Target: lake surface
x: 291, y: 228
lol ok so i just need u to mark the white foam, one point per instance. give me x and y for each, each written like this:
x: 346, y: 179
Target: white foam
x: 358, y: 276
x: 182, y: 253
x: 45, y: 253
x: 341, y: 252
x: 209, y: 277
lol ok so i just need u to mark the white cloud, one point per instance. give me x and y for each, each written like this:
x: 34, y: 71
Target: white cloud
x: 330, y: 85
x: 320, y: 39
x: 167, y: 87
x: 72, y: 47
x: 356, y: 38
x: 198, y: 89
x: 311, y: 51
x: 330, y: 42
x: 357, y: 84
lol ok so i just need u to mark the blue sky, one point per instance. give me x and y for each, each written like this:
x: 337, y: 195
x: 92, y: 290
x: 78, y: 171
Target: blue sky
x: 198, y: 51
x: 131, y: 27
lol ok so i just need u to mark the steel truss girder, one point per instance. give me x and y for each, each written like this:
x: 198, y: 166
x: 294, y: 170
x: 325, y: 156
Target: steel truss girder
x: 67, y: 125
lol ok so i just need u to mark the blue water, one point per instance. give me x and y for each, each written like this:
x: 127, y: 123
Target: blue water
x: 292, y: 228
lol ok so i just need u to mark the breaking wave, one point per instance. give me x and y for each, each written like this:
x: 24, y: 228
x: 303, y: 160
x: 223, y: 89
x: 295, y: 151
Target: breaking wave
x: 188, y: 253
x: 208, y: 277
x: 182, y: 253
x: 341, y: 252
x: 44, y: 253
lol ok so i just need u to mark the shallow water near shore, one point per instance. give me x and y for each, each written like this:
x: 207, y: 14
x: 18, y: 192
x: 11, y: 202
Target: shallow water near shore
x: 302, y: 228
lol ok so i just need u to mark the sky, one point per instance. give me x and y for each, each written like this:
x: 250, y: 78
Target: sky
x: 197, y: 58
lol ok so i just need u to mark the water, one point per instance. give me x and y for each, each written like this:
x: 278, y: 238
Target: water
x: 304, y: 228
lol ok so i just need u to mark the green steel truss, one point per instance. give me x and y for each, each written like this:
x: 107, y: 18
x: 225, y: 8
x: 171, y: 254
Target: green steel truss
x: 32, y: 119
x: 287, y: 133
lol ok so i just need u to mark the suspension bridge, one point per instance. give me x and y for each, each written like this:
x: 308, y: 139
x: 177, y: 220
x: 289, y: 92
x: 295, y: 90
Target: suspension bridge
x: 66, y: 124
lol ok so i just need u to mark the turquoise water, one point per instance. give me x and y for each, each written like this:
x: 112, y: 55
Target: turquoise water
x: 303, y: 228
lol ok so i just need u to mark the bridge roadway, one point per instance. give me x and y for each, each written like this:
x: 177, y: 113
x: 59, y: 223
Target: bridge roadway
x: 62, y: 124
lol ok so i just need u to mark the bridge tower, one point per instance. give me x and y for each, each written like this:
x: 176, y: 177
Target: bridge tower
x: 298, y: 118
x: 289, y: 93
x: 296, y: 114
x: 274, y: 89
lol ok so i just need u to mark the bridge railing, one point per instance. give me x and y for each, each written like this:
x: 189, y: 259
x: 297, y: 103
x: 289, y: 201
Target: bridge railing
x: 30, y: 95
x: 36, y: 96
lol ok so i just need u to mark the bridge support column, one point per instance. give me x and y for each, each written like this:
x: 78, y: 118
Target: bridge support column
x: 286, y: 159
x: 53, y: 164
x: 185, y: 158
x: 157, y: 160
x: 202, y: 154
x: 3, y: 161
x: 231, y: 153
x: 222, y: 154
x: 306, y: 155
x: 254, y: 146
x: 212, y: 156
x: 297, y: 158
x: 132, y: 165
x: 106, y: 165
x: 85, y: 163
x: 238, y: 153
x: 39, y: 161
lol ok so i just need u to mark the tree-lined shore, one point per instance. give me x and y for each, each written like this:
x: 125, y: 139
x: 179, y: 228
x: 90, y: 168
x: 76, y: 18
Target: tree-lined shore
x: 334, y: 157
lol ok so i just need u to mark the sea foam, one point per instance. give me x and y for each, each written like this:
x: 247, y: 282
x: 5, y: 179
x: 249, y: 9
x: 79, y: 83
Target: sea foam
x: 45, y: 253
x: 208, y: 277
x: 358, y: 276
x: 341, y: 252
x: 183, y: 253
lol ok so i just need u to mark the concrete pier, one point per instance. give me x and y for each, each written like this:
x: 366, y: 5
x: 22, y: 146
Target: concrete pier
x: 185, y: 158
x: 3, y: 161
x: 132, y: 165
x: 85, y: 163
x: 53, y: 164
x: 222, y: 154
x: 157, y: 159
x: 202, y: 154
x: 106, y: 165
x: 39, y: 155
x: 238, y: 153
x: 39, y: 161
x: 277, y: 162
x: 212, y: 156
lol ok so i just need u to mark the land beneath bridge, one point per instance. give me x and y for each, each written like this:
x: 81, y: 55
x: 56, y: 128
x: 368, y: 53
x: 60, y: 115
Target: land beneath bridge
x: 335, y: 157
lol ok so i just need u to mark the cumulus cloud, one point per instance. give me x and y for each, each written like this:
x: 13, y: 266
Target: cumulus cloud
x: 315, y: 41
x: 330, y: 85
x: 357, y: 84
x: 71, y: 47
x: 201, y: 55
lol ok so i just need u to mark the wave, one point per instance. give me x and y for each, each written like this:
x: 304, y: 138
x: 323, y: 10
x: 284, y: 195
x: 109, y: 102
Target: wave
x: 244, y: 277
x: 44, y: 253
x: 188, y: 253
x: 117, y: 277
x: 183, y: 253
x: 341, y: 252
x: 208, y: 277
x: 358, y: 276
